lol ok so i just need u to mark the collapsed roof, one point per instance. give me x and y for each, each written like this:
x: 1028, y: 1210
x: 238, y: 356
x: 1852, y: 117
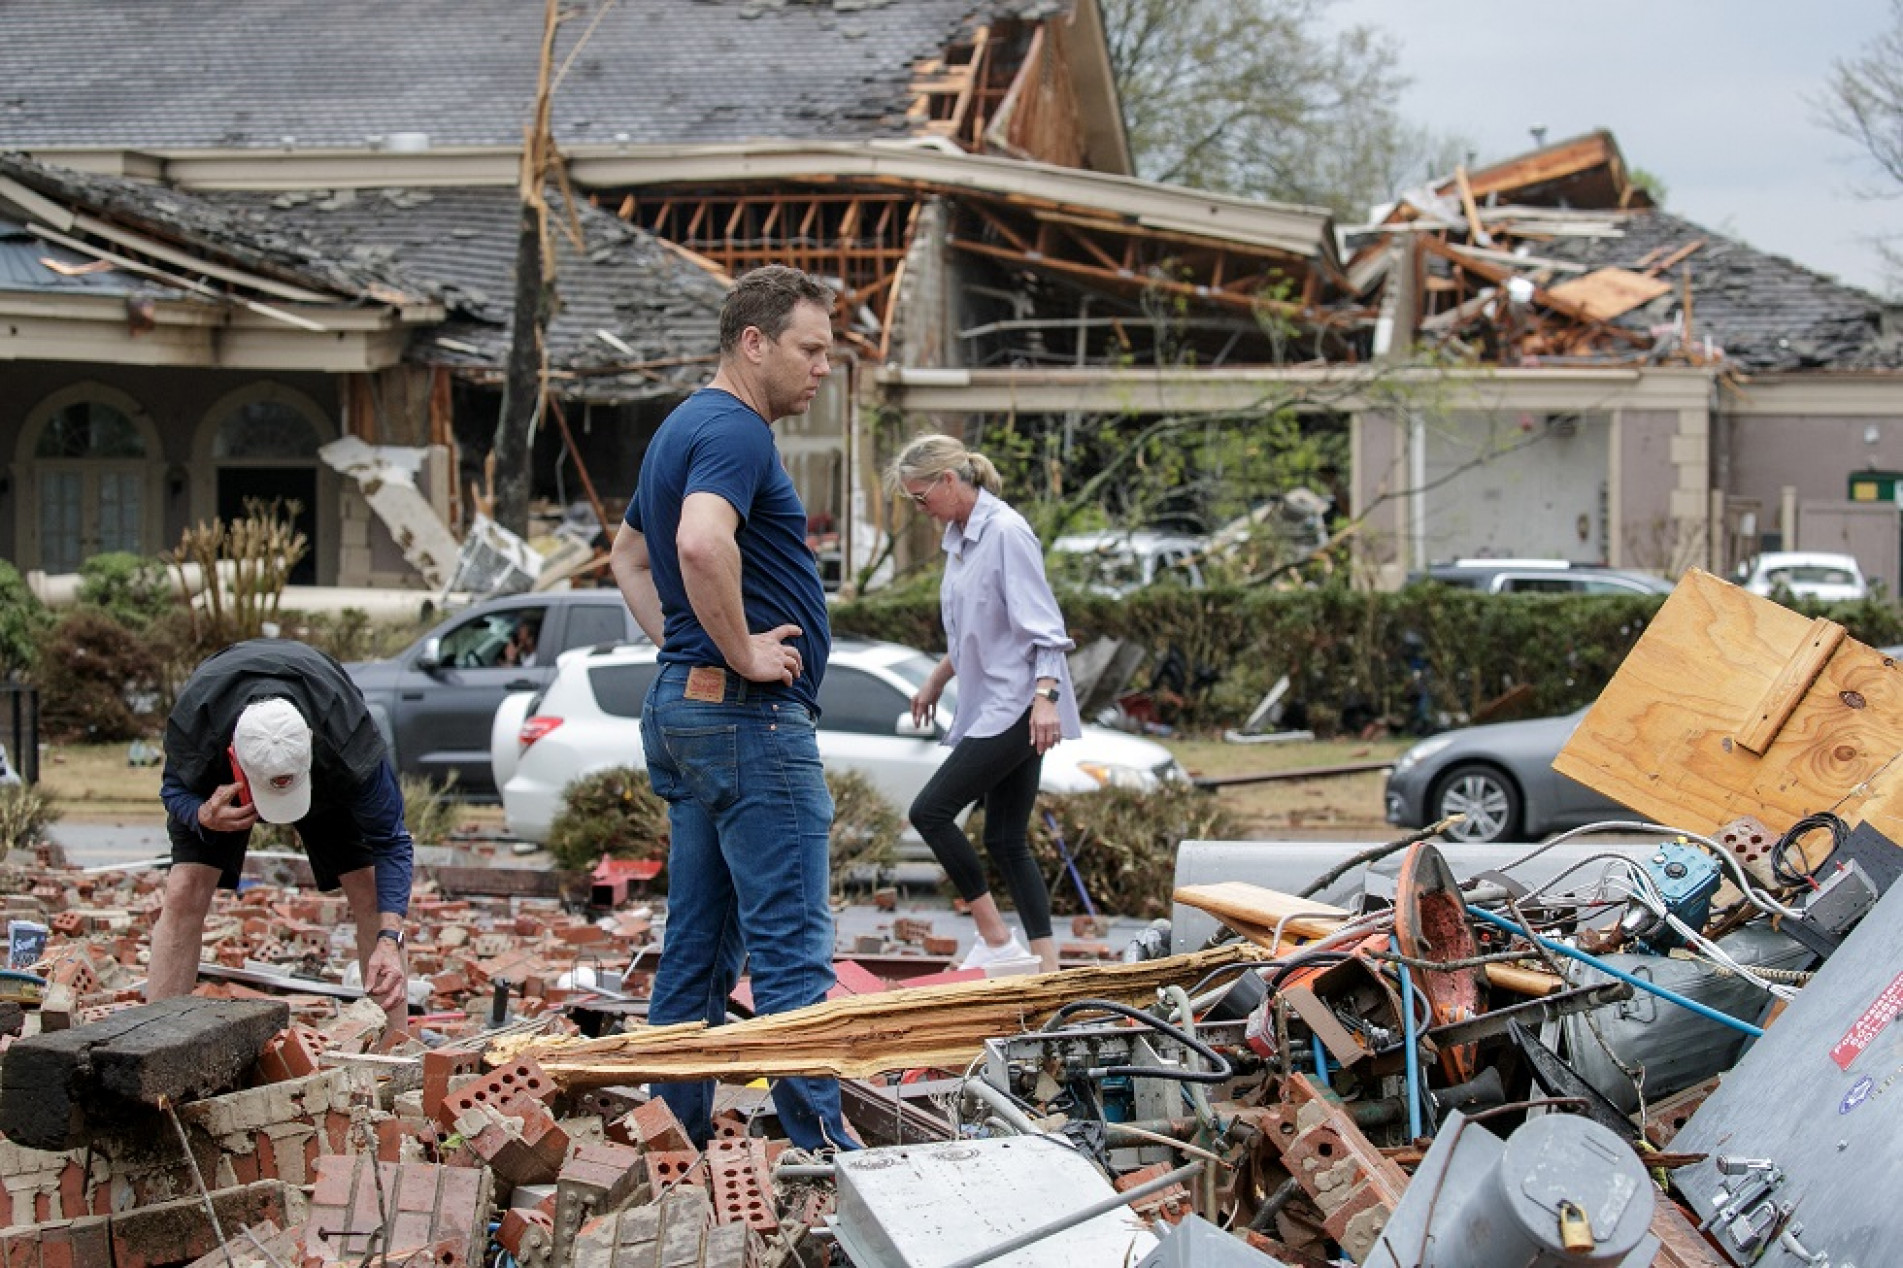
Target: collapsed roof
x: 1556, y: 257
x: 634, y: 318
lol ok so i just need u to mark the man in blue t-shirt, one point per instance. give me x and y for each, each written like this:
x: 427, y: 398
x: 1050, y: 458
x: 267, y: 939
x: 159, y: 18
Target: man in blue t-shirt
x: 714, y: 564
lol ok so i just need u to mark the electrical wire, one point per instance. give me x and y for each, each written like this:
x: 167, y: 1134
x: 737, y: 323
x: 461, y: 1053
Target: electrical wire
x: 1792, y: 878
x: 1220, y: 1072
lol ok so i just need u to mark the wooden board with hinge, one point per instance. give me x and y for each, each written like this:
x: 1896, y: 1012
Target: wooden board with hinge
x: 1733, y: 705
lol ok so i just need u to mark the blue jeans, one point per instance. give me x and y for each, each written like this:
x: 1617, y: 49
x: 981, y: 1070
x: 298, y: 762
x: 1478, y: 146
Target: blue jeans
x: 747, y: 877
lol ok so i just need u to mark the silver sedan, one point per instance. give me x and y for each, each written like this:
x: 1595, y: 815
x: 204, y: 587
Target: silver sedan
x: 1501, y: 777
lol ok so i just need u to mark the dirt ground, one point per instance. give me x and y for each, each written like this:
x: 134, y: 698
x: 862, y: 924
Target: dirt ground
x: 95, y: 784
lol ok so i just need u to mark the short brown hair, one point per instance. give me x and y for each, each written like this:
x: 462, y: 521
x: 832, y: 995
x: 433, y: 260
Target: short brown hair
x: 766, y: 298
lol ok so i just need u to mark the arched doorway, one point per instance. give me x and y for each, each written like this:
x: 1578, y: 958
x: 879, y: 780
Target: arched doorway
x: 89, y: 454
x: 263, y: 443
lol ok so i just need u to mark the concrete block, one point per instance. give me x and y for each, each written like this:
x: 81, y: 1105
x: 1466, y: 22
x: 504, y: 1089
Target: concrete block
x: 60, y: 1090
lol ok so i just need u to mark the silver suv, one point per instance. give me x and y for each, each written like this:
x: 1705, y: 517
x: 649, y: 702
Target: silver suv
x: 1542, y: 576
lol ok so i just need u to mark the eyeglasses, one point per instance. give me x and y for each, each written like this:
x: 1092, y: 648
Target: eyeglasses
x: 919, y: 498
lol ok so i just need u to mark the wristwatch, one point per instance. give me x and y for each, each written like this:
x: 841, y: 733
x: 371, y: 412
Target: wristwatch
x: 1049, y: 693
x: 392, y: 935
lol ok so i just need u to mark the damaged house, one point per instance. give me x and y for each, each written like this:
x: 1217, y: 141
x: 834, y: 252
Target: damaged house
x: 1527, y: 359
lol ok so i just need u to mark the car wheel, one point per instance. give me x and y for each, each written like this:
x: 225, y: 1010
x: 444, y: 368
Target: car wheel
x: 1486, y: 796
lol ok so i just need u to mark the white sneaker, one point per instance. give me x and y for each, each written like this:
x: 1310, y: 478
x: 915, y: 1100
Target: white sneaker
x: 999, y: 961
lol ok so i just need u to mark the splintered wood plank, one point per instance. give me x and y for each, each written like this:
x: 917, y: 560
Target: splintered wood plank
x: 858, y: 1036
x: 1665, y: 736
x: 1606, y: 293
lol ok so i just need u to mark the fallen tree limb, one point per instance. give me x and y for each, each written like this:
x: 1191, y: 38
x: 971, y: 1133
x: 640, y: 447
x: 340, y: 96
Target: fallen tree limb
x: 860, y: 1036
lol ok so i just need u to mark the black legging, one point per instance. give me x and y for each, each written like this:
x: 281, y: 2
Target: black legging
x: 1002, y: 769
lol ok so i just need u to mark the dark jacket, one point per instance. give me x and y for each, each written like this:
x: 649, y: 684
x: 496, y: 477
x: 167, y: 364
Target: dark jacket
x: 346, y: 747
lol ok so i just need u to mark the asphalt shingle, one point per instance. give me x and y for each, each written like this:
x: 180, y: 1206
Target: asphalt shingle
x: 307, y: 73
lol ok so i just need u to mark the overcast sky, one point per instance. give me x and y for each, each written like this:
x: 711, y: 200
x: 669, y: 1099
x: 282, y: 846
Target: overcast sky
x: 1710, y: 96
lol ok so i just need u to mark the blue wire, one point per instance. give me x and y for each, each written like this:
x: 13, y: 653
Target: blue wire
x: 1413, y: 1049
x: 1321, y: 1057
x: 15, y: 975
x: 1650, y: 987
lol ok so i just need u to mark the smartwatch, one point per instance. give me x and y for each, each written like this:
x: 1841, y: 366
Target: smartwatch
x: 1049, y: 693
x: 391, y: 935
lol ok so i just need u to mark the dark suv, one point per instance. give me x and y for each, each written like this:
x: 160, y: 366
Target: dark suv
x: 1542, y: 576
x: 435, y: 699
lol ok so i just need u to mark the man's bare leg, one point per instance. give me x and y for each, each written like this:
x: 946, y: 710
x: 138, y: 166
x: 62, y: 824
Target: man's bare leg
x: 179, y: 936
x: 360, y: 888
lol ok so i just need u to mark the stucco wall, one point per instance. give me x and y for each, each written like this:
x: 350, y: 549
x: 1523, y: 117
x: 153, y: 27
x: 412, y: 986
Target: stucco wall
x: 1516, y: 485
x: 1647, y: 539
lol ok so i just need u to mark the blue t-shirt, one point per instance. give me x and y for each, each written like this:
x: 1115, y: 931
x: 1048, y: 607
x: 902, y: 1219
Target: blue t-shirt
x: 714, y: 443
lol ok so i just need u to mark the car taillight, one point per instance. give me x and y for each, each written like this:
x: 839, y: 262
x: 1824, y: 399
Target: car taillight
x: 535, y: 728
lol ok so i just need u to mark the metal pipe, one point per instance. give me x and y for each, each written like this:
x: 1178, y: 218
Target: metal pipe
x: 1594, y: 961
x: 805, y: 1171
x: 1006, y: 1108
x: 1032, y: 1236
x: 1411, y: 1030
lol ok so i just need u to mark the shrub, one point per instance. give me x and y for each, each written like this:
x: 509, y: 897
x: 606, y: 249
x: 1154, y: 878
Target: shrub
x: 428, y: 812
x: 131, y: 589
x: 25, y: 815
x: 866, y: 826
x: 1123, y: 842
x: 99, y: 682
x: 614, y: 812
x: 23, y: 618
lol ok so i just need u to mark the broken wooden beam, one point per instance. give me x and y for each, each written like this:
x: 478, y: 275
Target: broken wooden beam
x: 859, y: 1036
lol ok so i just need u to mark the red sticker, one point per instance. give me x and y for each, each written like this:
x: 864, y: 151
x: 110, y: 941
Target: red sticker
x: 1875, y: 1019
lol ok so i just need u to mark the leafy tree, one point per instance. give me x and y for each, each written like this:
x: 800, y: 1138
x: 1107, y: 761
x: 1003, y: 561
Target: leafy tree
x: 1263, y: 98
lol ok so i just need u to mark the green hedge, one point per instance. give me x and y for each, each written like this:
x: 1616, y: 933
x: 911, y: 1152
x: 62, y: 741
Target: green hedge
x: 1349, y: 651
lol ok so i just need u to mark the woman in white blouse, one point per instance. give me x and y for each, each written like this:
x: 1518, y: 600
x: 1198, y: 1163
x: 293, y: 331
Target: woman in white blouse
x: 1006, y: 642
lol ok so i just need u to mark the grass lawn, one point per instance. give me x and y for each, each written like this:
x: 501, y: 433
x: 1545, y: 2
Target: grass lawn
x: 92, y: 783
x: 1348, y: 803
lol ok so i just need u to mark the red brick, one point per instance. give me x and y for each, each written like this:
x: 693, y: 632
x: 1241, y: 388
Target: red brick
x: 290, y: 1054
x: 941, y: 946
x: 435, y: 1206
x: 741, y: 1185
x: 523, y: 1146
x: 518, y: 1226
x: 439, y: 1067
x: 667, y: 1167
x: 653, y: 1126
x: 911, y: 929
x: 610, y: 1171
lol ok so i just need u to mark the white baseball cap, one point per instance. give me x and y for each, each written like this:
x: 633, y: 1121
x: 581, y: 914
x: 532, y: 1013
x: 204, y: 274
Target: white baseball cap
x: 272, y: 742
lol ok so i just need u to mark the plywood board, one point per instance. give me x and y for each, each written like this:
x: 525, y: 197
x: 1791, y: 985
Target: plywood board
x: 1664, y: 737
x: 1606, y: 293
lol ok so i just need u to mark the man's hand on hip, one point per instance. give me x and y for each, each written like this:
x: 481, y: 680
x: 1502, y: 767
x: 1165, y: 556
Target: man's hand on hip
x: 770, y: 658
